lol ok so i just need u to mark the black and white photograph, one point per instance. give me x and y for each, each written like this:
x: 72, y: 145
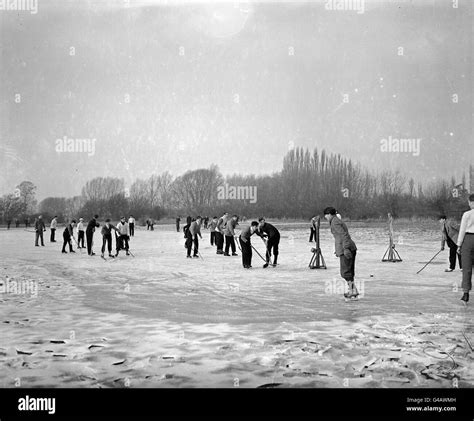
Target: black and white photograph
x: 221, y: 195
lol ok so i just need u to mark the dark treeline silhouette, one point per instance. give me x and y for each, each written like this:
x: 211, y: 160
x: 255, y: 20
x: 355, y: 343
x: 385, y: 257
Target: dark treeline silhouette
x: 308, y: 182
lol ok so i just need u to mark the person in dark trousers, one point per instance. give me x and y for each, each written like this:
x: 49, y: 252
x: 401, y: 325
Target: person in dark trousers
x: 122, y: 236
x: 220, y: 228
x: 68, y: 233
x: 192, y: 237
x: 271, y: 238
x: 212, y: 229
x: 27, y: 222
x: 206, y: 222
x: 39, y: 229
x: 229, y: 235
x: 52, y: 227
x: 465, y: 245
x: 312, y: 227
x: 178, y: 220
x: 91, y: 226
x: 449, y: 235
x: 345, y: 248
x: 246, y: 245
x: 80, y: 234
x: 17, y: 223
x: 131, y: 225
x: 9, y: 222
x: 187, y: 238
x: 151, y: 224
x: 107, y: 237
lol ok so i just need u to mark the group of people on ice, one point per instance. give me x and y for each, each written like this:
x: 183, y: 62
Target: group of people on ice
x: 123, y: 231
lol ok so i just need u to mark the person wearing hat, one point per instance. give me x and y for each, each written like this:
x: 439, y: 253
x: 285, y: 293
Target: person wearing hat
x: 91, y: 226
x: 52, y: 227
x: 131, y: 225
x: 80, y: 234
x: 345, y: 249
x: 107, y: 237
x: 246, y: 245
x: 68, y: 233
x: 39, y: 229
x: 192, y: 237
x: 123, y: 234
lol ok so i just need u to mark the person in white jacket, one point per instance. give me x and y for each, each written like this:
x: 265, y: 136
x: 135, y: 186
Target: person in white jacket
x: 80, y: 233
x: 123, y: 234
x: 52, y: 227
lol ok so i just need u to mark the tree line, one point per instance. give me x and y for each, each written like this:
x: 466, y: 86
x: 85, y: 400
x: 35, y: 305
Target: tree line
x: 307, y: 182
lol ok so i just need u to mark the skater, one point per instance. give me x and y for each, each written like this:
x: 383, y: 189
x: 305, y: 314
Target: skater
x: 107, y: 237
x: 271, y: 237
x: 212, y: 229
x: 80, y: 234
x: 131, y: 225
x: 151, y: 224
x: 206, y: 222
x: 68, y: 233
x: 192, y: 237
x: 220, y: 227
x: 246, y: 245
x: 91, y: 226
x: 17, y: 222
x: 465, y: 245
x: 449, y: 235
x: 39, y: 229
x: 345, y: 249
x: 27, y: 222
x: 312, y: 228
x: 52, y: 227
x: 147, y: 224
x: 123, y: 234
x: 229, y: 235
x: 9, y: 222
x: 178, y: 220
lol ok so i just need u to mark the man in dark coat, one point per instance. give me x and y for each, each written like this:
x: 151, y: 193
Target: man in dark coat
x: 449, y: 235
x: 91, y: 226
x: 271, y: 238
x: 39, y: 229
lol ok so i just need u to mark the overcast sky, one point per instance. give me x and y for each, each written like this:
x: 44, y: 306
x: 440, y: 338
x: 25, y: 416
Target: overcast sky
x: 182, y: 86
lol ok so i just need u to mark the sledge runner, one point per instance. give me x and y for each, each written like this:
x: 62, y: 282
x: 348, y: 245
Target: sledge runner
x: 91, y: 226
x: 131, y: 225
x: 230, y: 234
x: 246, y: 245
x: 123, y: 234
x: 271, y: 237
x: 345, y: 249
x: 52, y: 227
x: 68, y: 233
x: 220, y: 227
x: 465, y: 245
x: 212, y: 229
x: 39, y: 229
x: 449, y: 235
x: 80, y: 234
x: 107, y: 237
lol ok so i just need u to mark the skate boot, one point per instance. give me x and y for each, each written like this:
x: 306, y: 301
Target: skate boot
x: 111, y: 255
x: 465, y: 297
x: 265, y: 265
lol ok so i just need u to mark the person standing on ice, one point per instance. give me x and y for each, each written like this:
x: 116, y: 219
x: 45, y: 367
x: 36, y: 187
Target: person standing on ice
x: 449, y: 234
x: 52, y: 227
x: 192, y: 237
x: 91, y: 226
x: 131, y: 225
x: 271, y: 237
x: 68, y: 233
x: 107, y: 237
x: 212, y: 229
x: 220, y: 228
x: 346, y: 250
x: 39, y: 229
x: 312, y: 228
x: 465, y: 245
x: 123, y: 232
x: 229, y: 235
x: 178, y: 220
x: 246, y: 245
x: 80, y: 234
